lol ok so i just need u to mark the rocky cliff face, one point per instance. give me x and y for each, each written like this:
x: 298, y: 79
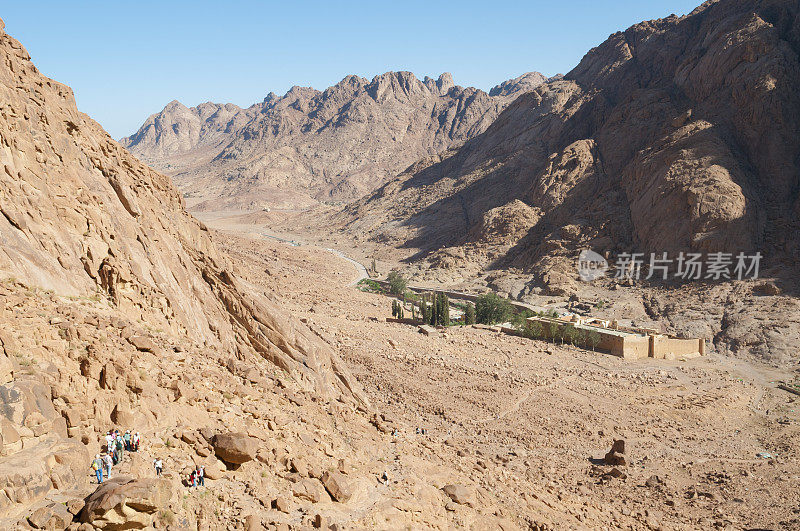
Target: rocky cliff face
x: 676, y: 134
x: 82, y: 217
x: 309, y: 146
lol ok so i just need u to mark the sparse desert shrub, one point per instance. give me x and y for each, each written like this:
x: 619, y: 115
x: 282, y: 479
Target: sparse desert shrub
x: 166, y: 516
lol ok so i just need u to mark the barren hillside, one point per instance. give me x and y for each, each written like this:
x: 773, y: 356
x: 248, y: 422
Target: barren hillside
x: 308, y: 146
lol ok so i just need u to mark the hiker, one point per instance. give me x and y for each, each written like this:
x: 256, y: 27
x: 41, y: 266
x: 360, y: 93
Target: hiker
x: 201, y: 476
x: 107, y: 464
x: 97, y: 466
x: 158, y: 465
x: 136, y: 442
x: 193, y: 478
x: 109, y: 441
x: 119, y: 446
x: 127, y: 440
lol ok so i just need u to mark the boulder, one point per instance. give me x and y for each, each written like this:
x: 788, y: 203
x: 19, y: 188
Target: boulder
x: 30, y: 474
x: 53, y: 516
x: 142, y: 343
x: 337, y: 485
x: 282, y: 504
x: 614, y: 456
x: 235, y: 448
x: 459, y: 494
x: 126, y: 503
x: 309, y: 489
x: 123, y: 417
x: 214, y: 468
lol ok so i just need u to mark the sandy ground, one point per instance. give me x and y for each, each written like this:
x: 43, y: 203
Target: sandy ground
x: 711, y: 443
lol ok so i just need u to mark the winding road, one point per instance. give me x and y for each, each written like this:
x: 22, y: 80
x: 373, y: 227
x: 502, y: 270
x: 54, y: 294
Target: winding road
x: 362, y: 271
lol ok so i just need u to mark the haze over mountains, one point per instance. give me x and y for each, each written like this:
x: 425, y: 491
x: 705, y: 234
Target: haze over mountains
x: 309, y: 146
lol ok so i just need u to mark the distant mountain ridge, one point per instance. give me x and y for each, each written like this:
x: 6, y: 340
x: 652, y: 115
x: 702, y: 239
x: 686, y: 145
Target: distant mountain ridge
x: 307, y: 146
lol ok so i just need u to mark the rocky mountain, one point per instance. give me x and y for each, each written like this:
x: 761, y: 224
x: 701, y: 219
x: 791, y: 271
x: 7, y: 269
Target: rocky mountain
x: 108, y: 286
x: 308, y: 146
x: 679, y: 134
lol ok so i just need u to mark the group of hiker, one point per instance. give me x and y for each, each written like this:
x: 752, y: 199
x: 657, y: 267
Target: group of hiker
x: 117, y: 444
x: 197, y: 478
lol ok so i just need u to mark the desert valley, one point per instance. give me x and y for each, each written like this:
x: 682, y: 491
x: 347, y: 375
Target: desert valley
x: 374, y: 306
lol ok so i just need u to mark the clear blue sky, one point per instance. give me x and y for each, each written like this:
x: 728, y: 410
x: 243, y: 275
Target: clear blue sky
x: 127, y: 60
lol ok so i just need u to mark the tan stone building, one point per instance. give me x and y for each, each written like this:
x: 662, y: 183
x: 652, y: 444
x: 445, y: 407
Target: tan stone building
x: 625, y: 342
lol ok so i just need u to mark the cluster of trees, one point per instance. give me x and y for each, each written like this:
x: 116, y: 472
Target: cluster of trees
x: 435, y: 308
x: 489, y: 308
x: 560, y: 332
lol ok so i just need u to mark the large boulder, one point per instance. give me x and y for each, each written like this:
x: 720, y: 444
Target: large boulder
x: 459, y: 494
x: 309, y: 489
x: 235, y: 448
x: 53, y: 516
x: 126, y: 503
x: 337, y: 485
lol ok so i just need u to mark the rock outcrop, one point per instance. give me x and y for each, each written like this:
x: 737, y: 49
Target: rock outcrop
x: 126, y: 503
x: 104, y: 277
x: 309, y: 146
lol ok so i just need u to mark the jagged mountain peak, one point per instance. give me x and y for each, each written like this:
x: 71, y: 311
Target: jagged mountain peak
x: 309, y: 145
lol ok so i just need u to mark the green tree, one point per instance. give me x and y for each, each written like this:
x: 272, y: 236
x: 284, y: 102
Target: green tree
x: 533, y: 330
x: 490, y: 308
x: 520, y: 319
x: 593, y: 338
x: 397, y: 284
x: 554, y: 331
x: 571, y: 334
x: 442, y: 309
x: 425, y: 309
x: 469, y: 314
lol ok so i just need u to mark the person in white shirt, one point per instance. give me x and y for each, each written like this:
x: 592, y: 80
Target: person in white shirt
x: 157, y: 463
